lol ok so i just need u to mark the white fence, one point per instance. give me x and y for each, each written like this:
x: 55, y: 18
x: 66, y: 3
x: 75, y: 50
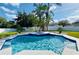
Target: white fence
x: 71, y: 28
x: 7, y: 30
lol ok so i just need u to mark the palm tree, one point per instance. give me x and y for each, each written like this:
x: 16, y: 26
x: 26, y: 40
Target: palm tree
x: 3, y: 22
x: 48, y: 12
x: 39, y: 12
x: 23, y: 19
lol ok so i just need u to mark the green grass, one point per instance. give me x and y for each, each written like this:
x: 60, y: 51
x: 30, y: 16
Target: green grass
x: 3, y: 35
x: 74, y: 34
x: 68, y: 32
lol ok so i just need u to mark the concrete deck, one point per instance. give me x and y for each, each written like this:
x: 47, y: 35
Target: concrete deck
x: 6, y: 51
x: 35, y: 52
x: 66, y: 51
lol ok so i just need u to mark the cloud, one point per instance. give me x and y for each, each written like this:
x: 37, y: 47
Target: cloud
x: 10, y: 15
x: 71, y: 19
x: 7, y: 10
x: 75, y: 12
x: 15, y: 4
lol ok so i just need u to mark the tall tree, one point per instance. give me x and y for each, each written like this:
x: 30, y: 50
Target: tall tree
x: 41, y: 10
x: 49, y: 12
x: 76, y: 23
x: 22, y: 19
x: 10, y: 24
x: 3, y: 22
x: 25, y: 20
x: 63, y: 23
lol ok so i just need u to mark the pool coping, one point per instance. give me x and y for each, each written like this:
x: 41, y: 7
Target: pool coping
x: 64, y: 35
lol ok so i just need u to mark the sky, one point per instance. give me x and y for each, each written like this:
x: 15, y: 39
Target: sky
x: 69, y: 11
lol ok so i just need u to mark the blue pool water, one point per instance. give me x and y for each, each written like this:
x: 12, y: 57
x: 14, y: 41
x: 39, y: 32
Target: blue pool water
x: 7, y: 44
x: 54, y: 43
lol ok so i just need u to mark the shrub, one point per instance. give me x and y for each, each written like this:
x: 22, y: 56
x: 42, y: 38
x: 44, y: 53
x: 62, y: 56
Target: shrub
x: 19, y: 29
x: 60, y: 29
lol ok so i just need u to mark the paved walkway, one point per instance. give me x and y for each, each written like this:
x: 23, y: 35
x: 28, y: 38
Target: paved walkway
x: 6, y: 51
x: 35, y: 52
x: 68, y: 51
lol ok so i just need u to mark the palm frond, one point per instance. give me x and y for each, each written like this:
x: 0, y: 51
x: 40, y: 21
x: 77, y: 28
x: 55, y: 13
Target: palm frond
x: 59, y: 4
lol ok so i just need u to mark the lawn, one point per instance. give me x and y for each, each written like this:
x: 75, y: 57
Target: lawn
x: 74, y: 34
x: 70, y: 33
x: 6, y: 34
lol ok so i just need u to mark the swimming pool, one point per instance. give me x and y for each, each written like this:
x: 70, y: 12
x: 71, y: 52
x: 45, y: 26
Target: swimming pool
x: 51, y: 42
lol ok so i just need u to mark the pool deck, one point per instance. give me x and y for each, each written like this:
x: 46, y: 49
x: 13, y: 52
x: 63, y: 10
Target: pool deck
x: 6, y: 51
x: 67, y: 51
x: 35, y: 52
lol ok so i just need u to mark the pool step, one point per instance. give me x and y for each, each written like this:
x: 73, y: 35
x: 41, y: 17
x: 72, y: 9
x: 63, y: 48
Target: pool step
x: 1, y: 43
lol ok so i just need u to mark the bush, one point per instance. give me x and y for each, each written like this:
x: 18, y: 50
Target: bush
x: 19, y: 29
x: 60, y: 29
